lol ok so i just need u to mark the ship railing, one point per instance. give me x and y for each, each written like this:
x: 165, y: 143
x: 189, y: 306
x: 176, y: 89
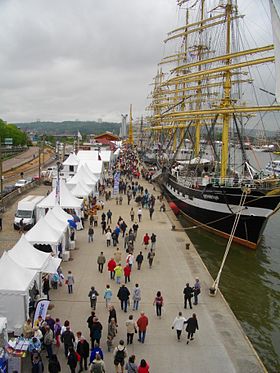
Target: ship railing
x: 233, y: 182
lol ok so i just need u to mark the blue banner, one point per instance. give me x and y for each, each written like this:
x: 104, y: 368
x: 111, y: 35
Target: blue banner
x: 117, y: 177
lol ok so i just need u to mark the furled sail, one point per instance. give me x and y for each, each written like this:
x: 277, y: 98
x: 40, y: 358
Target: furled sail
x: 275, y: 20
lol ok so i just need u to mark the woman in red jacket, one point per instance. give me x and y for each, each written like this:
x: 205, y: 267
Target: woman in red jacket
x: 127, y: 271
x: 143, y: 367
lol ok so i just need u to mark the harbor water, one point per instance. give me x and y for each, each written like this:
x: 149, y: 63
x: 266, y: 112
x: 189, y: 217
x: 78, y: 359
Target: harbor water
x: 250, y: 282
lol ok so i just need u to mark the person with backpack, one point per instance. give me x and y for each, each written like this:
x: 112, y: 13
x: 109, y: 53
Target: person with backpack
x: 54, y: 365
x: 72, y: 359
x: 93, y: 294
x: 120, y: 354
x: 97, y: 366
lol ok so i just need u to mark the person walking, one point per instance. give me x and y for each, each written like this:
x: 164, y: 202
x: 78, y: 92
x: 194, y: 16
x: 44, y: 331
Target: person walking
x: 68, y: 338
x: 158, y: 302
x: 192, y: 326
x: 130, y: 260
x: 135, y: 227
x: 72, y: 360
x: 120, y: 354
x: 112, y: 331
x: 96, y: 350
x: 131, y: 214
x: 153, y: 241
x: 139, y: 260
x: 46, y: 287
x: 118, y: 255
x: 127, y: 272
x: 48, y: 341
x: 136, y: 297
x: 123, y: 295
x: 139, y: 213
x: 125, y: 241
x: 54, y: 365
x: 118, y: 273
x: 130, y: 366
x: 97, y: 365
x: 109, y: 217
x: 70, y: 282
x: 150, y: 257
x: 101, y: 260
x: 90, y: 233
x: 83, y: 351
x: 142, y: 324
x: 57, y: 331
x: 111, y: 268
x: 196, y: 290
x: 108, y: 295
x: 108, y: 236
x: 37, y: 364
x: 146, y: 240
x: 178, y: 324
x: 131, y: 329
x: 143, y: 367
x: 188, y: 294
x: 151, y: 211
x: 96, y: 331
x: 112, y: 314
x: 93, y: 294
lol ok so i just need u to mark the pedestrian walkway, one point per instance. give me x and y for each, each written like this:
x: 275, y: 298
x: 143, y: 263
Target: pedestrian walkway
x: 219, y: 345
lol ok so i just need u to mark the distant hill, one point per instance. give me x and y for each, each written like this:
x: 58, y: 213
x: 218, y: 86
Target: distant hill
x: 70, y: 128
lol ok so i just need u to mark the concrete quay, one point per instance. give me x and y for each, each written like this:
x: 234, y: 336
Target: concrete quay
x: 220, y: 344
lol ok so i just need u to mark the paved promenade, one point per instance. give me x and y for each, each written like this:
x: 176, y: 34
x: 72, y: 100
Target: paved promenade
x: 21, y: 158
x: 220, y: 344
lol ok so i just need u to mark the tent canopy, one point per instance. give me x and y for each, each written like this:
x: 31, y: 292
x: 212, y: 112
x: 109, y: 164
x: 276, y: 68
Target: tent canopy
x: 95, y: 167
x: 13, y: 277
x: 52, y: 265
x: 25, y: 255
x: 54, y: 222
x: 93, y: 155
x: 61, y: 214
x: 84, y: 176
x: 72, y: 160
x: 43, y: 233
x: 81, y: 190
x: 67, y: 200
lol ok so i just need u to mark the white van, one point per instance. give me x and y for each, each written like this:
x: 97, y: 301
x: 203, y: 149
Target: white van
x: 26, y: 210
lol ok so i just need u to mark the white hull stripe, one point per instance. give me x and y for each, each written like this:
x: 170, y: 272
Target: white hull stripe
x: 219, y: 207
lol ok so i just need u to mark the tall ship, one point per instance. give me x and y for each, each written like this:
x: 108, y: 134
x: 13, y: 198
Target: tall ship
x: 203, y: 96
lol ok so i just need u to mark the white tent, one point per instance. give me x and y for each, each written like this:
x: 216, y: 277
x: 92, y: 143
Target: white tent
x: 67, y: 200
x: 25, y: 255
x: 43, y: 234
x: 15, y: 281
x: 83, y: 176
x: 61, y: 214
x: 55, y: 223
x: 96, y: 167
x: 72, y: 160
x: 80, y: 190
x: 52, y: 265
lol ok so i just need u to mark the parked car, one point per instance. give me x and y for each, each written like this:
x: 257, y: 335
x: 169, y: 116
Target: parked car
x: 20, y: 183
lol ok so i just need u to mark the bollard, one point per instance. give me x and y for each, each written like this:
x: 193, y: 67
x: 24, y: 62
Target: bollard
x: 212, y: 292
x: 187, y: 246
x: 173, y: 228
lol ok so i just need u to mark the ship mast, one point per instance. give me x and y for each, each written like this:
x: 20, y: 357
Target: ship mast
x: 130, y: 131
x: 226, y: 102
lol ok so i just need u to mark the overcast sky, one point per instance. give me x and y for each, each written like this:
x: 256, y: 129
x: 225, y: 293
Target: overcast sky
x: 86, y: 59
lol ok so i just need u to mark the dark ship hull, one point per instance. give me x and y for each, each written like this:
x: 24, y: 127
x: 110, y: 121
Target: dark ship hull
x: 214, y: 208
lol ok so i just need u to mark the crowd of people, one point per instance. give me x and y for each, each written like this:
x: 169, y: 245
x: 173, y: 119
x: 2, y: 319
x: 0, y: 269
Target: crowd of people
x: 88, y: 354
